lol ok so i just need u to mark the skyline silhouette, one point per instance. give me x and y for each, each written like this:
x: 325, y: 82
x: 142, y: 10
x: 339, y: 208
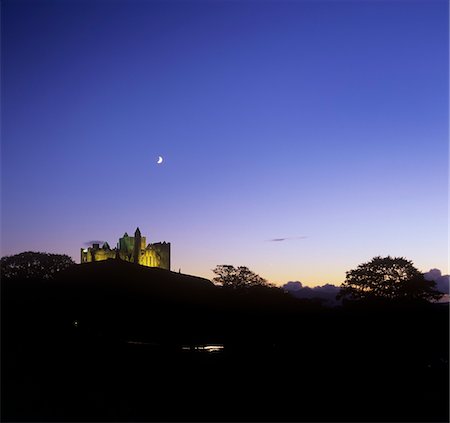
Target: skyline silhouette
x: 116, y: 341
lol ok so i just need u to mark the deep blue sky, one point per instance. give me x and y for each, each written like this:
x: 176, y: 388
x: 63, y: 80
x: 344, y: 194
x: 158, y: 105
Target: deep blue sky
x: 282, y: 119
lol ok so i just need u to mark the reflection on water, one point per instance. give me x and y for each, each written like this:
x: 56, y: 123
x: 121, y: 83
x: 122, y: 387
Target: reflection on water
x: 203, y: 348
x: 206, y: 348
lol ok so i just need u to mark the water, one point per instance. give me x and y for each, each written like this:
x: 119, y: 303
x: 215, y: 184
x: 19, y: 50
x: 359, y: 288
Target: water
x: 210, y: 348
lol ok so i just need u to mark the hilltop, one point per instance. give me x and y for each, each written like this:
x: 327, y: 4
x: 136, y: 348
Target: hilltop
x: 117, y: 277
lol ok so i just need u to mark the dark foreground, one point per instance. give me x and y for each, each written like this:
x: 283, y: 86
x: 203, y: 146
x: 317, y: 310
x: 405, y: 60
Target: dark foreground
x: 117, y: 358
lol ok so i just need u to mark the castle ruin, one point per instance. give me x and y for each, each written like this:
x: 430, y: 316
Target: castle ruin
x: 132, y: 249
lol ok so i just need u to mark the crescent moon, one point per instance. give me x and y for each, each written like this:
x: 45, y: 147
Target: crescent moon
x: 160, y: 160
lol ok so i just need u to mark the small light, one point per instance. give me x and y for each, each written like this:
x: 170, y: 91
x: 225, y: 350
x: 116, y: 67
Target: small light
x: 75, y: 323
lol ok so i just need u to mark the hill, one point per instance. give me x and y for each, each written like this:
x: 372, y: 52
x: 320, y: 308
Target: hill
x: 112, y: 341
x: 120, y: 300
x: 115, y: 299
x: 127, y: 280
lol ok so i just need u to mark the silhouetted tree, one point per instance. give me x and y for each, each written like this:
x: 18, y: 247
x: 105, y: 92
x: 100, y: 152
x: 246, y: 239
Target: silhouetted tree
x: 237, y: 277
x: 387, y: 278
x: 33, y: 265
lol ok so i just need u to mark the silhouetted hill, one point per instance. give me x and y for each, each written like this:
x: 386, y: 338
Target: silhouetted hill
x: 112, y: 279
x: 117, y: 277
x: 112, y: 341
x: 120, y: 300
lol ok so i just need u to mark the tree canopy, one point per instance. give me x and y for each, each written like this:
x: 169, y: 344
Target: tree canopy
x: 33, y: 265
x: 237, y: 277
x: 387, y: 278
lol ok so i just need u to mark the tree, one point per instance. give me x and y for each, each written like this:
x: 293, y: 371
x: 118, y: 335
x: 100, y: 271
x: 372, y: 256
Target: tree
x: 387, y: 278
x: 237, y: 277
x: 33, y: 265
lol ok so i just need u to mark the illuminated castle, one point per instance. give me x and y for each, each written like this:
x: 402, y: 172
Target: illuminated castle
x: 133, y: 249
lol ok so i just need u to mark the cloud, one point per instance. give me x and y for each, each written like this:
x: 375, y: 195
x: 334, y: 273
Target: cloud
x: 284, y: 239
x: 292, y: 286
x: 327, y: 293
x: 442, y: 281
x: 89, y: 243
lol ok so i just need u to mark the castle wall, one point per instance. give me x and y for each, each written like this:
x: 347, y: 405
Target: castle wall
x: 90, y: 255
x: 162, y: 254
x: 104, y: 255
x: 154, y: 255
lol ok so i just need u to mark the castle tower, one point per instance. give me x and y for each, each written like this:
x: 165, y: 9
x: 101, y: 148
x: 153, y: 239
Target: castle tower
x: 137, y: 246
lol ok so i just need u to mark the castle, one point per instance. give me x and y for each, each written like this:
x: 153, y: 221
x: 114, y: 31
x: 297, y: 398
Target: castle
x: 133, y: 249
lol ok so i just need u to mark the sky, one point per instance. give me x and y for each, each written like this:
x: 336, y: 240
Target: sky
x: 300, y: 138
